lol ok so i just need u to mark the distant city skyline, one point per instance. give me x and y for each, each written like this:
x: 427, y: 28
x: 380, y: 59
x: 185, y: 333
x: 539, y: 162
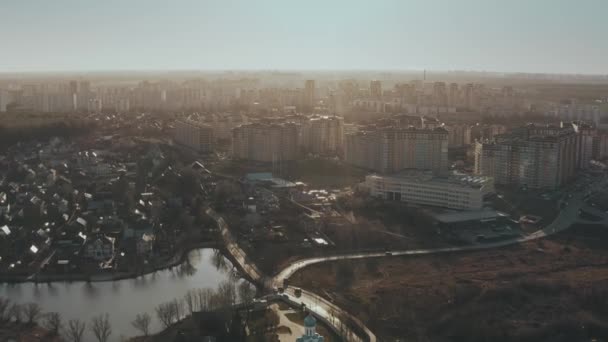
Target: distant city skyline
x: 543, y: 36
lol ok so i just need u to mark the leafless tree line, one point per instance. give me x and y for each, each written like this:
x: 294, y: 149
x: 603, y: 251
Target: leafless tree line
x: 72, y: 330
x: 205, y: 299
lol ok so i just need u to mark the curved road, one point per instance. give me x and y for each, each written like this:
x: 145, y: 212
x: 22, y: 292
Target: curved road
x: 332, y: 313
x: 566, y: 217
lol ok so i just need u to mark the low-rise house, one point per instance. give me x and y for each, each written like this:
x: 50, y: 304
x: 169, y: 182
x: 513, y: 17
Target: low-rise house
x: 100, y: 248
x: 82, y: 222
x: 145, y: 244
x: 5, y: 231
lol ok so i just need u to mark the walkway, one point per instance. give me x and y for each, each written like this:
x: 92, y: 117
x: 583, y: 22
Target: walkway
x: 235, y: 251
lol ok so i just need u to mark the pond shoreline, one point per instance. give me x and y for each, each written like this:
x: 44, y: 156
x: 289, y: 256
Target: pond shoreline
x: 178, y: 258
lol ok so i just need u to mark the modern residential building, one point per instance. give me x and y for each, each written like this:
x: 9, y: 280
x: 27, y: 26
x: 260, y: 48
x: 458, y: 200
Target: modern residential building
x: 4, y: 100
x: 375, y: 90
x: 536, y: 157
x: 309, y: 95
x: 486, y: 132
x: 224, y: 123
x: 389, y: 150
x: 459, y: 135
x: 572, y: 111
x: 265, y: 142
x: 323, y: 135
x: 194, y: 134
x: 440, y: 94
x: 600, y: 146
x: 585, y: 137
x: 454, y: 191
x: 404, y: 120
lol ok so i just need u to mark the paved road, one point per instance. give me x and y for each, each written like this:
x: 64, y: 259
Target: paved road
x: 322, y: 307
x: 331, y: 313
x: 233, y: 248
x: 566, y: 217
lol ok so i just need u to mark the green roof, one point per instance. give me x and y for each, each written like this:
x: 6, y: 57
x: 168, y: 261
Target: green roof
x: 310, y: 321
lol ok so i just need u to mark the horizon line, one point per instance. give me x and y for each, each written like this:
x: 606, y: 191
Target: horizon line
x: 229, y: 70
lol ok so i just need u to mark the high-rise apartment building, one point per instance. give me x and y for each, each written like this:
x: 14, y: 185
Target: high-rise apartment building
x: 323, y: 135
x: 585, y: 136
x: 600, y: 146
x: 453, y: 95
x: 536, y: 157
x: 309, y: 95
x: 440, y: 94
x: 84, y: 95
x: 4, y: 100
x: 459, y: 135
x: 224, y: 123
x: 390, y: 150
x: 265, y: 142
x: 195, y: 135
x: 375, y: 90
x: 572, y: 111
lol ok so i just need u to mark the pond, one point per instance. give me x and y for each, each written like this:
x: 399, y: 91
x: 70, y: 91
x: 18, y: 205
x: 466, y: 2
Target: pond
x: 124, y: 299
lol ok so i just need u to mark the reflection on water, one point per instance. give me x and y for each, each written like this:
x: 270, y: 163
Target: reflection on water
x: 220, y: 262
x: 124, y: 299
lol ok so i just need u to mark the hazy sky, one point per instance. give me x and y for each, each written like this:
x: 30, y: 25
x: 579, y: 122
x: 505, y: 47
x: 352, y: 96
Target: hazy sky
x: 499, y: 35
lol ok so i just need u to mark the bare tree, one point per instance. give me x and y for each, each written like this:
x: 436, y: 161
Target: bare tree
x: 178, y: 309
x: 32, y: 312
x: 190, y: 300
x: 142, y: 323
x: 101, y: 328
x: 52, y: 321
x: 205, y: 297
x: 227, y: 293
x: 75, y: 330
x: 5, y: 305
x: 15, y: 312
x: 246, y: 293
x: 164, y: 313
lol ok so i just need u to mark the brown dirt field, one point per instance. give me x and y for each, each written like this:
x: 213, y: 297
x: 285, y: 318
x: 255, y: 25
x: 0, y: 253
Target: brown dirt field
x: 551, y: 290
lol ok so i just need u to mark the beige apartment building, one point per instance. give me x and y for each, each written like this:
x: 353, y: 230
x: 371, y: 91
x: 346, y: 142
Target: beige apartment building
x: 265, y: 142
x: 536, y: 157
x: 323, y: 135
x: 459, y: 135
x: 195, y: 135
x: 389, y: 150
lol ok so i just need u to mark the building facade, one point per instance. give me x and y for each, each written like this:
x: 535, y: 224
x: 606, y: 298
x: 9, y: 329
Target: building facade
x: 459, y: 135
x: 195, y: 135
x: 389, y: 150
x: 323, y: 135
x: 265, y: 142
x: 462, y: 192
x: 536, y: 157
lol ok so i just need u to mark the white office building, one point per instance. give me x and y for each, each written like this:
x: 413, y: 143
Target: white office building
x: 456, y: 191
